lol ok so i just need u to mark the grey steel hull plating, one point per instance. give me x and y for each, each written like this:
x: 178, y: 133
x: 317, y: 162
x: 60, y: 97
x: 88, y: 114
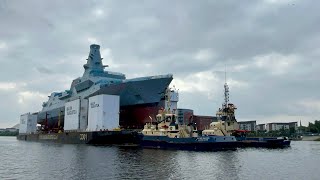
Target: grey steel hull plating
x: 124, y: 137
x: 134, y: 96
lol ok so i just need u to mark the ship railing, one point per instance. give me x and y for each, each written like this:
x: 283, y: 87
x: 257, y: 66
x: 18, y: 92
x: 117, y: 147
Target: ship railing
x: 149, y: 77
x: 115, y: 73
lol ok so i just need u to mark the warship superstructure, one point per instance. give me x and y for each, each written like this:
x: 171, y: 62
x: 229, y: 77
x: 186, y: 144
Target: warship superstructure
x: 139, y: 97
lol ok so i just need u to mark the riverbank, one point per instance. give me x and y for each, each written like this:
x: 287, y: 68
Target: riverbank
x: 311, y: 138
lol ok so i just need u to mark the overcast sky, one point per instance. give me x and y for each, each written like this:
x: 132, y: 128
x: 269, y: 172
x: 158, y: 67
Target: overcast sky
x: 271, y: 49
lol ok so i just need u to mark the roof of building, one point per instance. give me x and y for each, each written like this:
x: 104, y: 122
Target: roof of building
x: 202, y: 116
x: 282, y: 123
x: 253, y: 121
x: 16, y: 126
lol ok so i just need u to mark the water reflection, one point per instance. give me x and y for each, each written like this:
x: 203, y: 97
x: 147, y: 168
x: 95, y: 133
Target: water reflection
x: 29, y: 160
x: 228, y: 162
x: 146, y: 163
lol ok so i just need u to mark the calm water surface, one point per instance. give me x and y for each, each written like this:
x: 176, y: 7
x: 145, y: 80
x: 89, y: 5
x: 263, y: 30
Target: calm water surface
x: 32, y: 160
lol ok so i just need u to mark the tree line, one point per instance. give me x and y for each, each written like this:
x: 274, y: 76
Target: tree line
x: 8, y: 133
x: 312, y: 127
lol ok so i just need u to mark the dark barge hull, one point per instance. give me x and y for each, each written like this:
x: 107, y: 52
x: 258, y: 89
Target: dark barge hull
x: 219, y: 146
x: 123, y: 137
x: 193, y: 144
x: 264, y: 143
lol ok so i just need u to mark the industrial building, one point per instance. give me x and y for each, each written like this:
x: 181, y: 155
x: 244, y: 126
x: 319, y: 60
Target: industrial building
x: 203, y: 122
x: 184, y: 116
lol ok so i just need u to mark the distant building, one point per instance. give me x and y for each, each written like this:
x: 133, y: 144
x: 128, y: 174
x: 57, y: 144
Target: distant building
x: 184, y: 116
x: 281, y: 125
x: 2, y: 130
x: 16, y: 126
x: 203, y: 122
x: 261, y: 127
x: 293, y: 125
x: 12, y: 129
x: 247, y: 125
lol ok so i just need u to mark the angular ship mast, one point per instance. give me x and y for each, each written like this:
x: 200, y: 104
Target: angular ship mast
x: 227, y: 112
x: 227, y: 122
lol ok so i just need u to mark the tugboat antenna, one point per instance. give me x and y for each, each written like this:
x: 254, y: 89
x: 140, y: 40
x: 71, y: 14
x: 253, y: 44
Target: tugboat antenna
x: 225, y: 74
x: 226, y: 89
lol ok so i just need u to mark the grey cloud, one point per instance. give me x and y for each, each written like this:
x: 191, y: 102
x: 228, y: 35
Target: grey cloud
x: 49, y: 39
x: 44, y: 70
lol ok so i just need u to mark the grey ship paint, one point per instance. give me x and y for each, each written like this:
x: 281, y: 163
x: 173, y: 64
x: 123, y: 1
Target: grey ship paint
x: 139, y: 97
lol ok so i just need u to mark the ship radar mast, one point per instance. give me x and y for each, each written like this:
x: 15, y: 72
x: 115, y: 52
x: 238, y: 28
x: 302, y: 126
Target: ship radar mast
x: 227, y: 112
x: 94, y: 61
x: 228, y: 109
x: 171, y: 100
x: 168, y: 100
x: 169, y: 93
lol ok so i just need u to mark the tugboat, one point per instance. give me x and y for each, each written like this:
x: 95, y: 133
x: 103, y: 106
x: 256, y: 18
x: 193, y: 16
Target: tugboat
x: 227, y: 122
x: 227, y: 125
x: 165, y: 133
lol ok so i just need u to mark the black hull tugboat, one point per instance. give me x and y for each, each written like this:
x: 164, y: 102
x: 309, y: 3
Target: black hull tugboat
x: 261, y: 142
x: 165, y: 133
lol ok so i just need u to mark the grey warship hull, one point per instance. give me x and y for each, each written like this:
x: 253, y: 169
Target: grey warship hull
x: 138, y: 100
x: 139, y: 97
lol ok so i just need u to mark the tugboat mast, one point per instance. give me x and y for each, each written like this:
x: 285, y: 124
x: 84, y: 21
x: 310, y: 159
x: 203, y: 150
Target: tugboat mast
x: 226, y: 90
x: 226, y: 113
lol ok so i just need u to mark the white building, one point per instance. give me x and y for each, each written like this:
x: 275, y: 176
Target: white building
x: 281, y: 126
x: 247, y: 125
x: 12, y: 129
x: 260, y: 127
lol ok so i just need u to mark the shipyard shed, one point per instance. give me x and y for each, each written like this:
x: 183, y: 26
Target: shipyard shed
x: 83, y: 114
x: 103, y: 112
x: 71, y: 116
x: 28, y: 123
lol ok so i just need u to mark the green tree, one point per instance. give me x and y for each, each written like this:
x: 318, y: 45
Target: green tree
x: 7, y: 133
x: 292, y: 130
x: 313, y: 127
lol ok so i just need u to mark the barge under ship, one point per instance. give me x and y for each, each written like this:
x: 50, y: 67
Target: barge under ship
x: 139, y: 97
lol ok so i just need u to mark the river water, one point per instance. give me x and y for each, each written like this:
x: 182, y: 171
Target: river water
x: 33, y: 160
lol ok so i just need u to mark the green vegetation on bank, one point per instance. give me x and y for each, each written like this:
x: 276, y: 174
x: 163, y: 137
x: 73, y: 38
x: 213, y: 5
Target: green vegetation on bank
x: 313, y: 127
x: 282, y: 132
x: 7, y: 133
